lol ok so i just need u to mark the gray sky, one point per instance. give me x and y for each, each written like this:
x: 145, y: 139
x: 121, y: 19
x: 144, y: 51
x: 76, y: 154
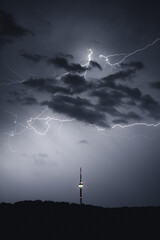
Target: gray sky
x: 59, y: 111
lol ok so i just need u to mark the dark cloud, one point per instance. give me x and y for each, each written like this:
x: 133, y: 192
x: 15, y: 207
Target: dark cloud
x: 151, y: 106
x: 130, y: 103
x: 69, y: 84
x: 115, y: 95
x: 98, y: 100
x: 76, y: 83
x: 64, y: 64
x: 155, y: 85
x: 83, y: 110
x: 132, y: 93
x: 94, y: 64
x: 121, y: 75
x: 9, y: 27
x: 46, y: 85
x: 74, y: 80
x: 120, y: 121
x: 111, y: 81
x: 78, y: 108
x: 75, y: 101
x: 22, y: 98
x: 132, y: 115
x: 124, y: 90
x: 125, y: 118
x: 135, y: 65
x: 40, y: 83
x: 33, y: 57
x: 61, y: 62
x: 110, y: 99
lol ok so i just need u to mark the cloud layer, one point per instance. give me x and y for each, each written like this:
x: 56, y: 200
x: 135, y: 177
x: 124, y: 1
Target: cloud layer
x: 102, y: 101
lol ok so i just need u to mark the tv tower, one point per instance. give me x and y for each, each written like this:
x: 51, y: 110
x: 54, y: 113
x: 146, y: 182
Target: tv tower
x: 80, y: 185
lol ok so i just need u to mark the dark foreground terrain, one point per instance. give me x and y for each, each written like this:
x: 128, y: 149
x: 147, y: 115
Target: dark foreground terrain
x: 49, y: 220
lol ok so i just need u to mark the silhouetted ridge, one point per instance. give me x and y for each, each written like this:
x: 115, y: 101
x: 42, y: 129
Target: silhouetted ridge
x: 61, y: 220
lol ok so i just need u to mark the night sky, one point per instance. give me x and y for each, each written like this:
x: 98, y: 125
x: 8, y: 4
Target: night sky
x: 65, y: 106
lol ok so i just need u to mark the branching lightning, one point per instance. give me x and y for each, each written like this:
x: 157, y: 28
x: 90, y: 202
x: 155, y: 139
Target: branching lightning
x: 83, y: 65
x: 107, y: 61
x: 130, y: 125
x: 30, y: 125
x: 16, y: 73
x: 31, y: 122
x: 117, y: 64
x: 47, y: 121
x: 137, y: 124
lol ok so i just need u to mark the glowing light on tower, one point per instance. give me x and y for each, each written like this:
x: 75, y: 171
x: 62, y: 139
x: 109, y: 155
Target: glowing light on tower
x: 80, y: 185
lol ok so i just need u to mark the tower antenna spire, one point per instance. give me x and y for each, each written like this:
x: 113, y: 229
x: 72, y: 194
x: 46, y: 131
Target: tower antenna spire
x: 80, y: 185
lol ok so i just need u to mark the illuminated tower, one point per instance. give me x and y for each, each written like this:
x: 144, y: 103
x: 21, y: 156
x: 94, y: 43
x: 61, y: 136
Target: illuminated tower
x: 80, y: 185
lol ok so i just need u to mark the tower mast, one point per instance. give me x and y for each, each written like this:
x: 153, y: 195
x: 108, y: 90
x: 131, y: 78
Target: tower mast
x: 80, y: 185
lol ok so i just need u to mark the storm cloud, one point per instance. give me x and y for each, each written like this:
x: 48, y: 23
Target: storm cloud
x: 49, y: 85
x: 155, y: 85
x: 63, y: 63
x: 96, y: 101
x: 149, y: 104
x: 59, y: 111
x: 22, y: 98
x: 136, y: 65
x: 78, y: 108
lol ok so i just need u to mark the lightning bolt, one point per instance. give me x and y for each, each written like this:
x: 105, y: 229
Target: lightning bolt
x: 31, y: 121
x: 117, y: 64
x: 47, y: 120
x: 83, y: 65
x: 131, y: 125
x: 16, y: 73
x: 99, y: 128
x: 88, y: 62
x: 107, y: 61
x: 30, y: 125
x: 137, y: 124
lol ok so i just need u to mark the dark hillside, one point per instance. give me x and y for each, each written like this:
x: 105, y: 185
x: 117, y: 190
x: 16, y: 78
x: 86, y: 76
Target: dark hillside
x: 51, y: 220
